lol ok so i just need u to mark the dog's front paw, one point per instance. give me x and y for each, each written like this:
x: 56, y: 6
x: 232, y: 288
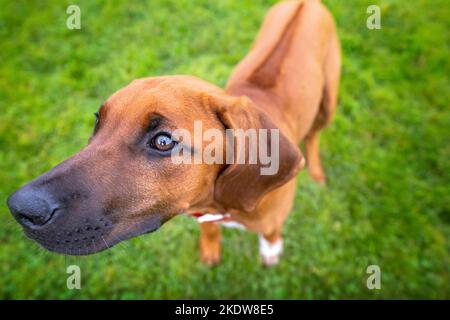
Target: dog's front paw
x: 270, y: 252
x: 270, y: 260
x: 210, y: 252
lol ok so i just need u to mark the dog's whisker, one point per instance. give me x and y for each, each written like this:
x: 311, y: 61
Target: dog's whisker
x: 105, y: 242
x: 121, y: 246
x: 120, y: 242
x: 123, y: 243
x: 95, y: 247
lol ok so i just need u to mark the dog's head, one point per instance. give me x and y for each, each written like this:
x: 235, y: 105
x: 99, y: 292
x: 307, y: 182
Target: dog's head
x: 124, y: 182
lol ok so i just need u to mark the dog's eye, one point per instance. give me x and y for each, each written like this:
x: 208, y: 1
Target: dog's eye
x: 162, y: 142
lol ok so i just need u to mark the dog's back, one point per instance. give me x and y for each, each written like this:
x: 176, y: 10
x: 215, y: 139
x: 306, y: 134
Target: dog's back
x: 293, y: 64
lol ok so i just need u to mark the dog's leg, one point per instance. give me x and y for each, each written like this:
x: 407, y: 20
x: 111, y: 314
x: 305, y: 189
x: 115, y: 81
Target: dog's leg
x: 210, y: 243
x: 270, y: 248
x: 313, y: 157
x: 328, y: 104
x: 277, y: 209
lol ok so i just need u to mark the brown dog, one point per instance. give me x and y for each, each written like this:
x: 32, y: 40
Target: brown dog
x: 124, y: 183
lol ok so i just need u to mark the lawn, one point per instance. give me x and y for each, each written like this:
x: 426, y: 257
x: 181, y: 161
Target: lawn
x: 387, y: 152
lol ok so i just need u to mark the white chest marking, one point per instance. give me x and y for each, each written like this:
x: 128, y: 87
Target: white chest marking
x: 222, y: 218
x: 233, y: 224
x: 212, y: 217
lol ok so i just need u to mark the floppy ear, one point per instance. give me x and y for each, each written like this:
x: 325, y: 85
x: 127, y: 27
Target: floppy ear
x: 242, y: 185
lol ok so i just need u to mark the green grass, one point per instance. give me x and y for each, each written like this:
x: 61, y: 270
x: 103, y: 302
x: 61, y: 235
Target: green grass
x: 386, y: 153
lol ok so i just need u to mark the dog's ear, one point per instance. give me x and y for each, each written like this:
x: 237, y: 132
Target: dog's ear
x: 242, y: 185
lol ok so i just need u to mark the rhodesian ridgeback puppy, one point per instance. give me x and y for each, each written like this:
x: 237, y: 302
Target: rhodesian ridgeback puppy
x: 124, y: 184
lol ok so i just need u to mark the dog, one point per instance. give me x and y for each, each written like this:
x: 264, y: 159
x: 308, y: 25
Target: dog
x: 124, y: 184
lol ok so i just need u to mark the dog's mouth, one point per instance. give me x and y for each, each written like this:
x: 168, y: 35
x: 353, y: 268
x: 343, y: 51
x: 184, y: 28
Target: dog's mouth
x: 89, y: 236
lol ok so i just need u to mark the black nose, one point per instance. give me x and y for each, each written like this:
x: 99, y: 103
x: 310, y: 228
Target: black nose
x: 30, y: 208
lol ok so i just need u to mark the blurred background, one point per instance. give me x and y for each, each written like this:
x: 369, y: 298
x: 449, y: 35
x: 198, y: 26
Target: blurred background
x: 386, y: 153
